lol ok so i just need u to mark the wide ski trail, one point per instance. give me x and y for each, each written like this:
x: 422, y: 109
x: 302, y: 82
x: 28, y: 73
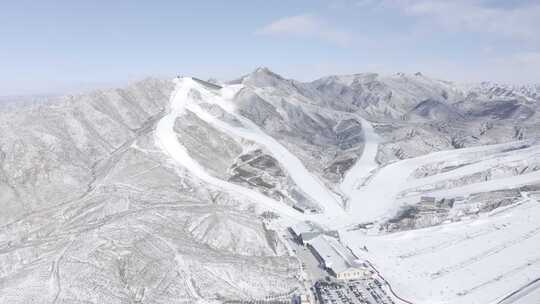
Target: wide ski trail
x: 167, y: 140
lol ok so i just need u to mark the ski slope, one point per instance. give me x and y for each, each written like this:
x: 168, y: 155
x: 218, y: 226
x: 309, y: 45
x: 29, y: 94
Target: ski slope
x: 463, y: 262
x: 167, y: 140
x: 491, y: 185
x: 368, y: 200
x: 530, y: 293
x: 470, y: 164
x: 305, y: 180
x: 460, y: 263
x: 379, y: 198
x: 472, y: 261
x: 366, y: 164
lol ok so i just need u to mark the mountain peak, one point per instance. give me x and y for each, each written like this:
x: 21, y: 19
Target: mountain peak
x: 262, y: 69
x: 265, y: 71
x: 347, y: 79
x: 262, y: 77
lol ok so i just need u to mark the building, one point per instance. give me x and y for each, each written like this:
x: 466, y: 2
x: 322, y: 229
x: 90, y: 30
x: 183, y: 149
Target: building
x: 305, y: 231
x: 296, y: 299
x: 353, y: 273
x: 305, y: 209
x: 427, y: 199
x: 337, y: 259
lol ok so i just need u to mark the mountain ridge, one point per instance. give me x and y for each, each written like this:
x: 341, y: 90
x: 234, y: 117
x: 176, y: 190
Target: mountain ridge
x: 167, y: 190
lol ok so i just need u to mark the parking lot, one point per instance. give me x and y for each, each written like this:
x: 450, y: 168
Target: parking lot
x: 324, y: 288
x: 369, y: 291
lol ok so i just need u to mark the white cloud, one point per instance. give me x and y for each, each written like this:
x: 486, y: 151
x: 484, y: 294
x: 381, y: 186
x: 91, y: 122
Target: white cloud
x: 522, y: 67
x: 518, y: 22
x: 528, y: 59
x: 517, y: 68
x: 307, y: 26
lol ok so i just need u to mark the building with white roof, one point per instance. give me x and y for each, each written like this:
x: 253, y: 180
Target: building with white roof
x: 305, y: 231
x: 337, y: 259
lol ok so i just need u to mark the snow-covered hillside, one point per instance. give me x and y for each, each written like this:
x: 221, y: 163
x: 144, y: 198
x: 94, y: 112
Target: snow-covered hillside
x: 377, y: 194
x: 180, y: 191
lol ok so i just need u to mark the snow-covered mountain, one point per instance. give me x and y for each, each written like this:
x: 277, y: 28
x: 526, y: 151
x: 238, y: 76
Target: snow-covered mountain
x: 180, y: 191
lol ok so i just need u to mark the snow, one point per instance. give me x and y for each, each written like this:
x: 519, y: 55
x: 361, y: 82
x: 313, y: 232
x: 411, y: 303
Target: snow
x: 334, y: 254
x: 304, y: 179
x: 496, y: 184
x: 377, y: 198
x: 167, y: 140
x: 489, y: 160
x: 529, y: 294
x: 464, y: 262
x: 367, y: 162
x: 302, y: 227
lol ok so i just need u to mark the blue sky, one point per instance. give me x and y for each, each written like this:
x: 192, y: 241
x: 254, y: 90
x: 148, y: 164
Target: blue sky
x: 60, y: 46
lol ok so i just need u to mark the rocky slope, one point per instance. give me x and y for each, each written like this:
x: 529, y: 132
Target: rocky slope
x: 94, y: 212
